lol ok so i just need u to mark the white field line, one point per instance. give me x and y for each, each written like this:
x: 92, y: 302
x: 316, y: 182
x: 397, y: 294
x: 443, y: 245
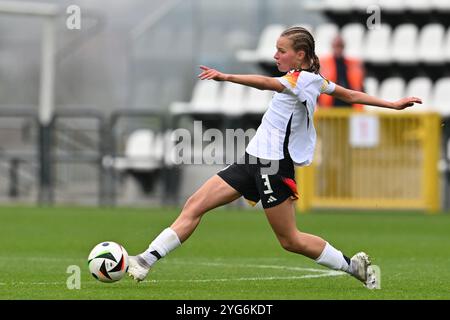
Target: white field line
x: 42, y: 259
x: 258, y: 266
x: 21, y: 283
x: 307, y: 276
x: 322, y: 272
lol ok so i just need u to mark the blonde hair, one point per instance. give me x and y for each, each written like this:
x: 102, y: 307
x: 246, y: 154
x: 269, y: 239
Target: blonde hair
x: 304, y: 41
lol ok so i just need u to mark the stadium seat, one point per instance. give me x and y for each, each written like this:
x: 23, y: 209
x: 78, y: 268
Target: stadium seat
x: 418, y: 5
x: 324, y: 35
x: 144, y: 151
x: 431, y: 43
x: 266, y: 45
x: 205, y: 99
x: 420, y: 87
x: 447, y: 47
x: 205, y: 96
x: 268, y: 40
x: 440, y: 5
x: 257, y: 101
x: 231, y: 99
x: 441, y: 102
x: 371, y: 86
x: 378, y: 45
x: 362, y: 5
x: 404, y: 44
x: 338, y: 6
x: 353, y: 36
x: 392, y: 5
x: 392, y: 89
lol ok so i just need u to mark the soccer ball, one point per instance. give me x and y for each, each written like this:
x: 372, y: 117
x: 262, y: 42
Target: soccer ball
x: 108, y: 262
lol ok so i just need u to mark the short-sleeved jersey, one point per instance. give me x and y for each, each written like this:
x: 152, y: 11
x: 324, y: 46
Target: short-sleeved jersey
x: 287, y: 127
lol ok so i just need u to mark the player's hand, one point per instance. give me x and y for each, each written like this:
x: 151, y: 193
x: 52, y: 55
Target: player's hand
x: 211, y: 74
x: 406, y: 103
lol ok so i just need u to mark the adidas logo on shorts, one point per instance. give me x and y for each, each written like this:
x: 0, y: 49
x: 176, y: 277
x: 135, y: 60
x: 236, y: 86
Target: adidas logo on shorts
x: 271, y: 199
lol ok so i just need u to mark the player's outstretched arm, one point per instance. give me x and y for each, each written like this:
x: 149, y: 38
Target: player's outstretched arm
x: 255, y: 81
x: 353, y: 97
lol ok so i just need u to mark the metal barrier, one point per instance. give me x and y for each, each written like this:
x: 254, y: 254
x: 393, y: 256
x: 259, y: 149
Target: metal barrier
x: 373, y: 161
x: 75, y: 150
x: 73, y: 160
x: 21, y: 179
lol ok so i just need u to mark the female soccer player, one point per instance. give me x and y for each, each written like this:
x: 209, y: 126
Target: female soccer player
x: 285, y: 137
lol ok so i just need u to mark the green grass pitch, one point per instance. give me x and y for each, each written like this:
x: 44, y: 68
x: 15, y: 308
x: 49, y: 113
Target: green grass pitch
x: 232, y: 255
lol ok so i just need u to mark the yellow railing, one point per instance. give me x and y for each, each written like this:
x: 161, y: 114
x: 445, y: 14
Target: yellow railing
x: 373, y: 161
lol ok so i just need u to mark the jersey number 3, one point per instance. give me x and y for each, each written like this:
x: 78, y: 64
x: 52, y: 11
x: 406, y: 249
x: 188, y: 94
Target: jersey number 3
x: 267, y: 184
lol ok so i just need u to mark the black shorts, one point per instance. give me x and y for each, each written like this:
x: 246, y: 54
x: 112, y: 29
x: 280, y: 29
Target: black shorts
x: 271, y: 181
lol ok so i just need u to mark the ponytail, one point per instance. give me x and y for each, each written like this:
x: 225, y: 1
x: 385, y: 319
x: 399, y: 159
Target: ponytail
x: 315, y: 65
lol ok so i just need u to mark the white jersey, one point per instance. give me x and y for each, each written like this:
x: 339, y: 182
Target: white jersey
x: 287, y: 125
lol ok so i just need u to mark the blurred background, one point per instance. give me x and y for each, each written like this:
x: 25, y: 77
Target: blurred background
x: 85, y: 113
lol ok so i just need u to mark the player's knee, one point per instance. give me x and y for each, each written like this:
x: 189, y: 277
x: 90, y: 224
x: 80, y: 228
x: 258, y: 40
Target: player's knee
x: 193, y: 205
x: 288, y: 244
x: 190, y: 204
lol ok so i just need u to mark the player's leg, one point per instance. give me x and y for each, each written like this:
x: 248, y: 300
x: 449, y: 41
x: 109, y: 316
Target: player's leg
x: 214, y: 193
x: 283, y: 222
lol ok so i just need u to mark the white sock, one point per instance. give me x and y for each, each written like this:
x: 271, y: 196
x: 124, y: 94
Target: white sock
x: 333, y: 259
x: 164, y: 243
